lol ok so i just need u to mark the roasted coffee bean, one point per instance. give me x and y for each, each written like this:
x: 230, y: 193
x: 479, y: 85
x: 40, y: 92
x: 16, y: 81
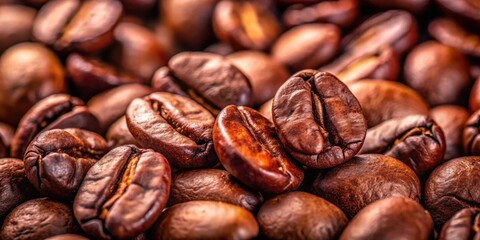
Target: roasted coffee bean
x: 163, y: 81
x: 75, y: 25
x: 451, y: 118
x: 110, y: 105
x: 318, y: 119
x: 211, y: 80
x: 307, y: 46
x: 123, y: 194
x: 245, y: 24
x: 119, y: 135
x: 220, y: 48
x: 175, y: 126
x: 451, y: 187
x: 415, y: 140
x: 28, y: 73
x: 366, y: 179
x: 382, y: 64
x: 414, y: 6
x: 384, y: 100
x: 192, y: 30
x: 254, y: 65
x: 438, y: 72
x: 471, y: 137
x: 56, y: 161
x: 300, y: 215
x: 137, y: 50
x: 39, y: 219
x: 14, y: 186
x: 91, y: 76
x: 212, y: 185
x: 67, y: 237
x: 205, y: 220
x: 6, y: 136
x: 450, y: 33
x: 465, y: 11
x: 474, y: 99
x: 390, y: 218
x: 464, y: 225
x: 55, y: 111
x: 248, y: 147
x: 340, y: 12
x: 394, y: 28
x: 16, y: 22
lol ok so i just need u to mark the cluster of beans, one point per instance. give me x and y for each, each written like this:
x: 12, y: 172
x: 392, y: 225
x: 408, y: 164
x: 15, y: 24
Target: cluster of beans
x: 240, y: 119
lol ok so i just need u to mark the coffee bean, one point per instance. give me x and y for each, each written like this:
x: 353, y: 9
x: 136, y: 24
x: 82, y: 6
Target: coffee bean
x: 366, y: 179
x: 218, y: 220
x: 248, y: 147
x: 318, y: 119
x: 463, y: 225
x: 390, y: 218
x: 415, y: 140
x: 56, y: 111
x: 123, y: 193
x: 119, y: 135
x: 212, y: 185
x: 39, y: 219
x: 470, y: 136
x: 474, y: 99
x: 451, y: 187
x: 448, y: 32
x: 465, y: 11
x: 176, y: 126
x: 57, y: 168
x: 16, y: 22
x: 300, y: 215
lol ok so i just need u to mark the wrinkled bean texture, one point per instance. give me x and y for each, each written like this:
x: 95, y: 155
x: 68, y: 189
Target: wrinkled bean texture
x: 464, y: 225
x: 318, y: 119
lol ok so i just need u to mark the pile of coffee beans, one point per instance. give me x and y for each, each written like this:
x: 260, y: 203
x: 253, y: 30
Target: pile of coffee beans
x: 240, y: 119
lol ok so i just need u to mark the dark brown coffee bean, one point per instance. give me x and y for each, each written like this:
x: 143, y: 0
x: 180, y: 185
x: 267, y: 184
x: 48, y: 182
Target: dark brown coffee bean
x: 245, y: 24
x: 390, y: 218
x: 15, y: 187
x: 394, y: 28
x: 340, y: 12
x: 438, y: 72
x: 163, y: 81
x: 110, y: 105
x: 91, y: 76
x: 248, y: 147
x: 16, y: 22
x: 39, y: 219
x: 300, y: 215
x: 451, y: 187
x: 55, y: 111
x: 192, y: 30
x: 384, y: 100
x: 119, y: 135
x: 450, y: 33
x: 67, y: 237
x: 414, y: 6
x: 212, y: 185
x: 218, y: 220
x: 465, y: 11
x: 176, y: 126
x: 474, y: 99
x: 85, y: 26
x: 471, y: 137
x: 464, y: 225
x: 211, y: 80
x: 56, y: 161
x: 366, y: 179
x: 415, y: 140
x: 137, y: 50
x: 451, y: 118
x: 318, y: 119
x: 28, y: 73
x: 123, y: 193
x: 307, y: 46
x: 265, y: 73
x: 382, y: 64
x: 6, y: 136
